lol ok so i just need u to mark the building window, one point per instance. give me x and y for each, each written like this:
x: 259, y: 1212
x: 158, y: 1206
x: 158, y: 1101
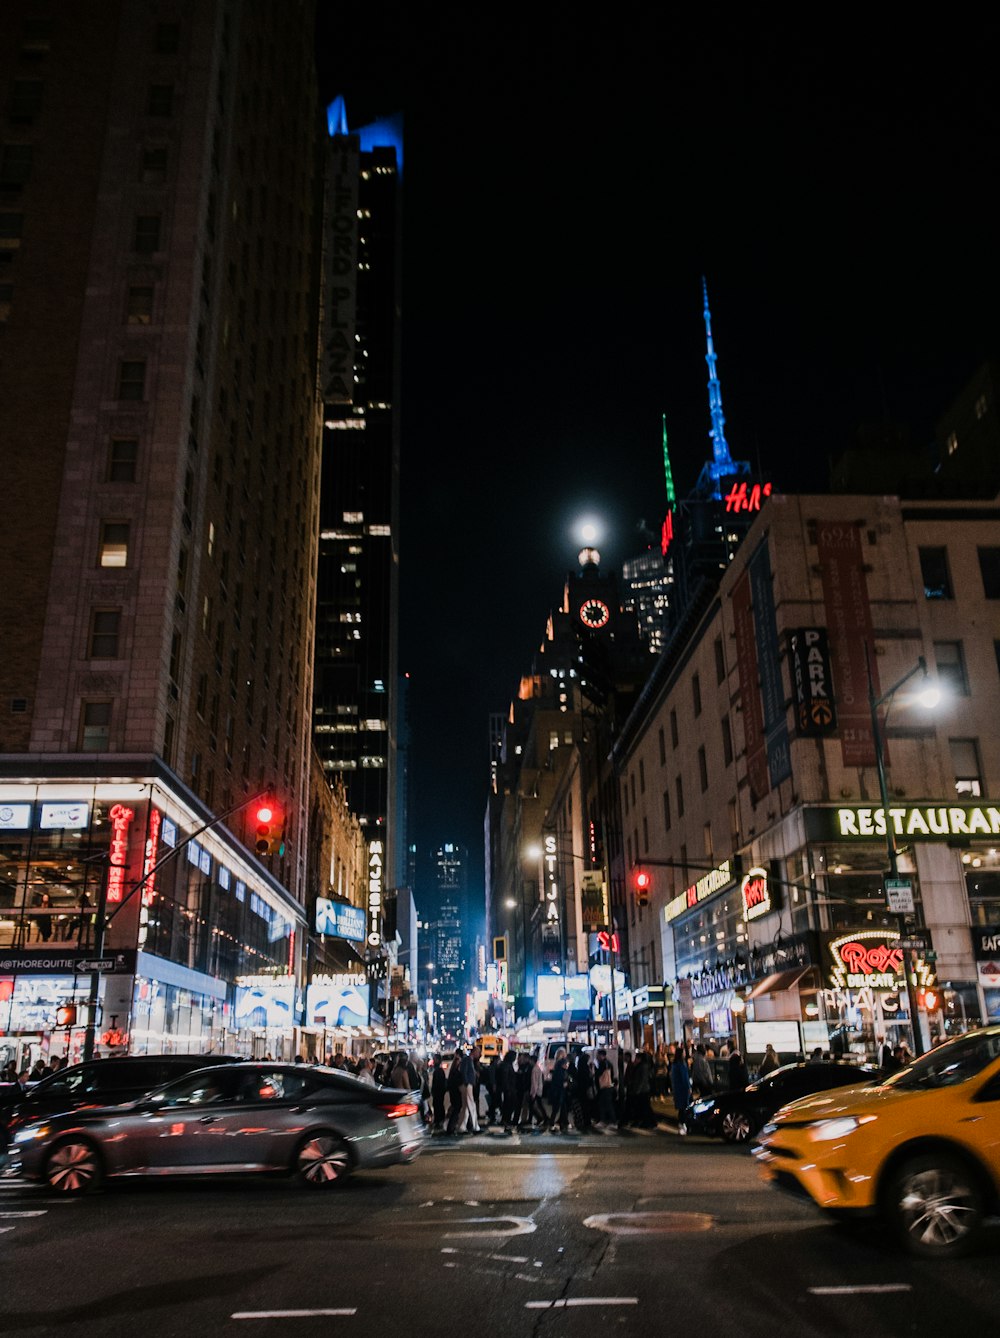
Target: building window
x: 153, y: 168
x: 625, y: 797
x: 146, y: 237
x: 996, y: 653
x: 989, y: 566
x: 981, y: 407
x: 666, y: 810
x: 25, y: 99
x: 6, y: 298
x: 703, y: 768
x: 15, y: 165
x: 95, y: 726
x: 168, y: 740
x: 139, y: 306
x: 122, y: 456
x: 11, y: 227
x: 36, y: 37
x: 160, y: 101
x: 935, y: 574
x: 707, y: 836
x: 696, y: 694
x: 727, y: 741
x: 131, y: 380
x: 720, y: 660
x: 105, y: 625
x: 679, y: 787
x: 113, y: 550
x: 663, y: 747
x: 166, y: 39
x: 965, y: 764
x: 673, y: 728
x: 950, y: 663
x: 642, y: 776
x: 631, y: 785
x: 952, y: 443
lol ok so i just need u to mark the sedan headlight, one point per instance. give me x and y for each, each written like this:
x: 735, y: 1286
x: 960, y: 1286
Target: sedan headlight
x: 31, y: 1132
x: 825, y: 1130
x: 702, y: 1107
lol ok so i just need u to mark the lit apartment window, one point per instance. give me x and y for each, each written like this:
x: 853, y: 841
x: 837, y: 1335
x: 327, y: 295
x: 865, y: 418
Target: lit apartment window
x: 965, y: 764
x: 950, y: 662
x: 105, y: 625
x: 146, y: 237
x: 160, y: 101
x: 139, y: 305
x: 113, y: 551
x: 131, y: 380
x: 354, y: 517
x: 376, y: 726
x: 95, y: 726
x: 122, y: 456
x: 934, y: 573
x: 380, y: 531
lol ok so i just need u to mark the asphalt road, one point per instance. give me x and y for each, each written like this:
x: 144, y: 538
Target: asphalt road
x: 652, y: 1235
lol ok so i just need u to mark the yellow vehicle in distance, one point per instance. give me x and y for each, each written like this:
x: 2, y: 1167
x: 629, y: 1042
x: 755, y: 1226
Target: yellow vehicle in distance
x: 490, y: 1047
x: 919, y: 1149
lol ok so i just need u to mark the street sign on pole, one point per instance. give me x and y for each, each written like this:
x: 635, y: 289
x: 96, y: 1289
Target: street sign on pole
x: 100, y: 964
x: 913, y: 944
x: 899, y: 896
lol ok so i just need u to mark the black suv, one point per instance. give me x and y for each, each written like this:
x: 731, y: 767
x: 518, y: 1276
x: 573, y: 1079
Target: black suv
x: 97, y: 1082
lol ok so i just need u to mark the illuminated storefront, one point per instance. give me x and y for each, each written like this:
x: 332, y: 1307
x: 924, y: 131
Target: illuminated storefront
x: 178, y: 936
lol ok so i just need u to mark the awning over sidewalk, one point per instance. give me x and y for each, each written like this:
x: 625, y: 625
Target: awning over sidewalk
x: 779, y: 980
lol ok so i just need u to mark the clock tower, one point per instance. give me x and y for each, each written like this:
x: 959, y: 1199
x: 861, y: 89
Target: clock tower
x: 592, y: 599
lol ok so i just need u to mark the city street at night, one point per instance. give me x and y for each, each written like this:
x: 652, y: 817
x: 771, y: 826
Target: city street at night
x: 646, y: 1233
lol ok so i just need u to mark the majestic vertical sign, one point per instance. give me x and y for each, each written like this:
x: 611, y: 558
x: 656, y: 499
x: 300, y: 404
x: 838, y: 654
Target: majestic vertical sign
x: 746, y: 665
x: 779, y: 762
x: 376, y: 873
x: 340, y: 272
x: 812, y: 683
x: 849, y: 622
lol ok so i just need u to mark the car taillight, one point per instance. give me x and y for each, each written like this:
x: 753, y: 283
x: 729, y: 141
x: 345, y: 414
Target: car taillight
x: 396, y: 1112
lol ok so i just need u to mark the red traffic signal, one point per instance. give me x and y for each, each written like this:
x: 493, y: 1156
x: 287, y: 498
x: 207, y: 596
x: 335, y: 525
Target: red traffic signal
x: 269, y: 818
x: 66, y: 1015
x: 643, y: 884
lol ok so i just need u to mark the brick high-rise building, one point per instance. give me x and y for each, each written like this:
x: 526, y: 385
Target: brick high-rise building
x: 160, y: 203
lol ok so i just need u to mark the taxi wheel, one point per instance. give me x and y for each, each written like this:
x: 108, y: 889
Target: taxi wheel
x: 322, y: 1161
x: 74, y: 1167
x: 936, y: 1205
x: 736, y: 1126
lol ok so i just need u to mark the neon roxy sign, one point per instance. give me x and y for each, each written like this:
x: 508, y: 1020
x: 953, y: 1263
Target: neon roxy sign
x: 866, y: 960
x: 756, y: 894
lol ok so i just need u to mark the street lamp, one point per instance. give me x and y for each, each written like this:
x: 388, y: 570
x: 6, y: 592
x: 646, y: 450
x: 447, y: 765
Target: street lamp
x: 927, y: 696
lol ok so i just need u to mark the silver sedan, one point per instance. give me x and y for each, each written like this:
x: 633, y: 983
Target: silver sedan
x: 317, y: 1124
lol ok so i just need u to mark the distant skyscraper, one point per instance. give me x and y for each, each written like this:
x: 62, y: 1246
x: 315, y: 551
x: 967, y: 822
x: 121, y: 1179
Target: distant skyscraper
x: 355, y: 700
x: 448, y: 936
x: 160, y: 239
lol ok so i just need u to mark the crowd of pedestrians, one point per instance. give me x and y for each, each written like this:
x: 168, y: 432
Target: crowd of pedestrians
x: 33, y: 1073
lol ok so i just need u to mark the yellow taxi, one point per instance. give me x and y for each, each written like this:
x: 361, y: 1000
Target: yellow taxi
x: 920, y: 1149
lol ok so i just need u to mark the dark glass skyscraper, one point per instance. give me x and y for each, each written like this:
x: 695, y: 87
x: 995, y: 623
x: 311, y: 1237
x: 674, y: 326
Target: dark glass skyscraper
x: 355, y: 699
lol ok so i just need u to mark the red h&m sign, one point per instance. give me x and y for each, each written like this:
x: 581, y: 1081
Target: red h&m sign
x: 849, y: 625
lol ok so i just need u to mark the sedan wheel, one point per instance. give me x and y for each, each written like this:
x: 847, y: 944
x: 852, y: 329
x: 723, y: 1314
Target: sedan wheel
x: 74, y: 1167
x: 936, y: 1206
x: 736, y: 1126
x: 322, y: 1161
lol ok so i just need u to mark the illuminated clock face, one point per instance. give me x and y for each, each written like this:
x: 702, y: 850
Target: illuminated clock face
x: 595, y: 613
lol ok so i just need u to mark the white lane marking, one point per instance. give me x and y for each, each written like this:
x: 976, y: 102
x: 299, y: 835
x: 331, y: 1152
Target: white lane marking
x: 644, y: 1224
x: 581, y: 1300
x: 874, y: 1289
x: 289, y: 1314
x: 31, y: 1212
x: 3, y: 1229
x: 478, y: 1254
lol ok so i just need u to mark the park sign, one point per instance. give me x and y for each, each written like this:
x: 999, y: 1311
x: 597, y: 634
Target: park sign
x: 907, y: 822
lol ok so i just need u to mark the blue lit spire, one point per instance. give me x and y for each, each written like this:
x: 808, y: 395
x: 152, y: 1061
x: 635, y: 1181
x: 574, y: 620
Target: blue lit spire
x: 386, y: 133
x: 721, y: 464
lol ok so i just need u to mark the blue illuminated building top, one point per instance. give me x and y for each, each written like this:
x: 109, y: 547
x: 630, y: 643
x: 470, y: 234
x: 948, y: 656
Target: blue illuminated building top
x: 721, y: 465
x: 384, y: 134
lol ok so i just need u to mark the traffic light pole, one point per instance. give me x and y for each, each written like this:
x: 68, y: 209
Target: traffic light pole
x: 102, y: 920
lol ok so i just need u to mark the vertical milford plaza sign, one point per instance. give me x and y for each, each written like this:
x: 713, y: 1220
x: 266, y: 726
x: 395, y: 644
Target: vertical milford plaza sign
x: 914, y: 822
x: 849, y: 624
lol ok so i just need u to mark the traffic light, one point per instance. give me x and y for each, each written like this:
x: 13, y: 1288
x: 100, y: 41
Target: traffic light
x: 66, y: 1015
x: 270, y: 820
x: 643, y: 884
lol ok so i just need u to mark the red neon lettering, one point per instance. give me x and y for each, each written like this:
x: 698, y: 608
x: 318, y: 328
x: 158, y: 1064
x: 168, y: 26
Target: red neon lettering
x: 120, y: 819
x: 755, y: 892
x: 871, y: 960
x: 149, y: 862
x: 667, y: 533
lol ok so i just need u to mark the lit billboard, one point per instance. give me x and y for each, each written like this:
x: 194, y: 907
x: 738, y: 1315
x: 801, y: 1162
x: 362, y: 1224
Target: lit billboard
x: 555, y: 995
x: 337, y: 919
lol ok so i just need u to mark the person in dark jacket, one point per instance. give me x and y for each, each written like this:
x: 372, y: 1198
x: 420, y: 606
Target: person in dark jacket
x: 769, y: 1063
x: 680, y: 1085
x: 439, y: 1086
x: 739, y: 1078
x: 583, y: 1092
x: 560, y: 1092
x: 507, y: 1084
x: 455, y: 1090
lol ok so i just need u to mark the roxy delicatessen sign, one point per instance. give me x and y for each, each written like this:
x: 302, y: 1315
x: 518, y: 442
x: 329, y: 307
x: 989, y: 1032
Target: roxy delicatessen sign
x: 867, y: 959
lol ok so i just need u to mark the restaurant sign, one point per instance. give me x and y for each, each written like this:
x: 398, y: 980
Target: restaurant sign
x: 912, y: 822
x: 709, y: 885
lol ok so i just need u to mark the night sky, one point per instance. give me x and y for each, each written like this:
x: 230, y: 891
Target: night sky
x: 567, y: 183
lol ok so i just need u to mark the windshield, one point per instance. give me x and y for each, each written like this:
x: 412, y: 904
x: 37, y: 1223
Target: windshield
x: 949, y: 1064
